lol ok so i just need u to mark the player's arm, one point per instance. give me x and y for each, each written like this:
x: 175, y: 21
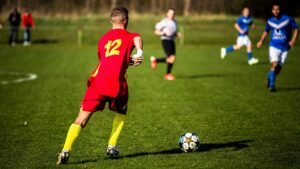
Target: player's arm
x: 294, y: 37
x: 178, y: 33
x: 158, y: 32
x: 159, y: 29
x: 238, y: 28
x: 137, y: 58
x: 252, y: 24
x: 262, y: 39
x: 295, y: 32
x: 263, y: 36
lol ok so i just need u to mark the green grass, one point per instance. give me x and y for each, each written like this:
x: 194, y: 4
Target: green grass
x: 239, y: 122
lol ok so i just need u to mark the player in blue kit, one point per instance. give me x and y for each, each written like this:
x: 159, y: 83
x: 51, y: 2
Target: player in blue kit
x: 242, y: 25
x: 284, y: 32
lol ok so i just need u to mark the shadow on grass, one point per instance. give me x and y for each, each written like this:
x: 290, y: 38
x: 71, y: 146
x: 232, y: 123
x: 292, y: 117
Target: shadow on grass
x: 34, y: 41
x: 288, y: 89
x: 264, y: 62
x: 84, y: 161
x: 236, y: 145
x: 205, y: 147
x: 204, y: 76
x: 45, y: 41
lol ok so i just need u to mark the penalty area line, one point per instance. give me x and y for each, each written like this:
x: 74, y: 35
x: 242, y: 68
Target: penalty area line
x: 28, y: 77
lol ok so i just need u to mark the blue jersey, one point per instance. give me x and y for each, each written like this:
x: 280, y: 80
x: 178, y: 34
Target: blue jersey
x: 244, y: 23
x: 281, y: 31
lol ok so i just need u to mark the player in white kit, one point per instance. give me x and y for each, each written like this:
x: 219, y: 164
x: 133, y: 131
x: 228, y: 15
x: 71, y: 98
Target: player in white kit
x: 167, y: 29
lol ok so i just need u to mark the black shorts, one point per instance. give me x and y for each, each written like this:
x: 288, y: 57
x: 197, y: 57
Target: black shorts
x: 169, y: 47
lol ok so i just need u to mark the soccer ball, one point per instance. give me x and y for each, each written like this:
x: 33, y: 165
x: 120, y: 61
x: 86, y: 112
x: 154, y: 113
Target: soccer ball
x: 189, y: 142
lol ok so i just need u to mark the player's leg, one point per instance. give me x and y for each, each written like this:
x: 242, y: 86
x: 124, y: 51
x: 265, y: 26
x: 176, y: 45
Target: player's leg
x: 154, y: 60
x: 283, y: 57
x: 251, y: 60
x: 75, y: 128
x: 73, y: 132
x: 274, y: 59
x: 91, y: 102
x: 29, y: 36
x: 25, y: 36
x: 119, y: 105
x: 165, y: 44
x: 276, y: 67
x: 161, y: 60
x: 231, y: 48
x: 12, y: 36
x: 15, y: 35
x: 170, y: 62
x: 117, y: 127
x: 170, y: 50
x: 272, y: 76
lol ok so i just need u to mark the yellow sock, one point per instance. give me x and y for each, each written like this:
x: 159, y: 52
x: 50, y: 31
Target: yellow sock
x: 118, y: 124
x: 73, y: 133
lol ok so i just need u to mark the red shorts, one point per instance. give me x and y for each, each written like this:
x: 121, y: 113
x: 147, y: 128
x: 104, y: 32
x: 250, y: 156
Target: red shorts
x: 94, y: 102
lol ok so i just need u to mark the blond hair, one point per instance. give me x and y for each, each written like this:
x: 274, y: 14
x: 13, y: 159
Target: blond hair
x: 119, y: 15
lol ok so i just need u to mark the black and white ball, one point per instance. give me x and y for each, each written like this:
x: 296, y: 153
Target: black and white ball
x: 189, y: 142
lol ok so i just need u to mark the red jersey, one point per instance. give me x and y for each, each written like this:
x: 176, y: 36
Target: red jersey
x: 27, y: 20
x: 114, y: 49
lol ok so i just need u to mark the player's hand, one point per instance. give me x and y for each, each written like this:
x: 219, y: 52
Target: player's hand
x: 179, y: 35
x: 259, y: 44
x: 136, y: 60
x: 292, y: 43
x: 158, y: 32
x: 242, y: 31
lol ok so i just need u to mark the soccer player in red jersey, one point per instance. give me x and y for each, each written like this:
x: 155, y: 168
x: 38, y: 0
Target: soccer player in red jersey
x: 28, y: 24
x: 107, y: 84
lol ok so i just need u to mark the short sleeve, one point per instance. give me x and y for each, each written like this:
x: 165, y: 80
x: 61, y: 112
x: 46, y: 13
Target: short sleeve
x: 251, y: 22
x: 293, y: 23
x: 268, y: 27
x: 134, y: 34
x: 239, y: 21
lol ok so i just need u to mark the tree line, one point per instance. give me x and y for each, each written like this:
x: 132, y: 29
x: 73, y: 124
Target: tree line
x: 260, y: 8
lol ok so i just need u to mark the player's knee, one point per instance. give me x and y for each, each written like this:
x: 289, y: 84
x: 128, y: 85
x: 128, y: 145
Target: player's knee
x: 81, y: 121
x: 274, y: 65
x: 171, y: 59
x: 237, y: 47
x: 278, y: 69
x: 249, y: 48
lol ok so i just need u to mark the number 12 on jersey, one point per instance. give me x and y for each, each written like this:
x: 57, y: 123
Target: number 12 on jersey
x: 112, y: 47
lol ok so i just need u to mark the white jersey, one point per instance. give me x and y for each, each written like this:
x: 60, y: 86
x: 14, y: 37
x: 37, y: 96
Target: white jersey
x: 168, y: 27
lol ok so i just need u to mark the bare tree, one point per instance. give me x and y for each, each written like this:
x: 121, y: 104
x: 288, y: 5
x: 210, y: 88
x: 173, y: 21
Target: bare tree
x: 186, y: 7
x: 154, y: 6
x: 132, y: 5
x: 113, y: 4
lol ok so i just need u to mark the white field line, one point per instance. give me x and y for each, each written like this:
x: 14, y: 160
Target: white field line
x: 28, y: 77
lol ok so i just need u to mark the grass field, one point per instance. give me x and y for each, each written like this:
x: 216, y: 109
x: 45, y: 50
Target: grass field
x: 239, y: 122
